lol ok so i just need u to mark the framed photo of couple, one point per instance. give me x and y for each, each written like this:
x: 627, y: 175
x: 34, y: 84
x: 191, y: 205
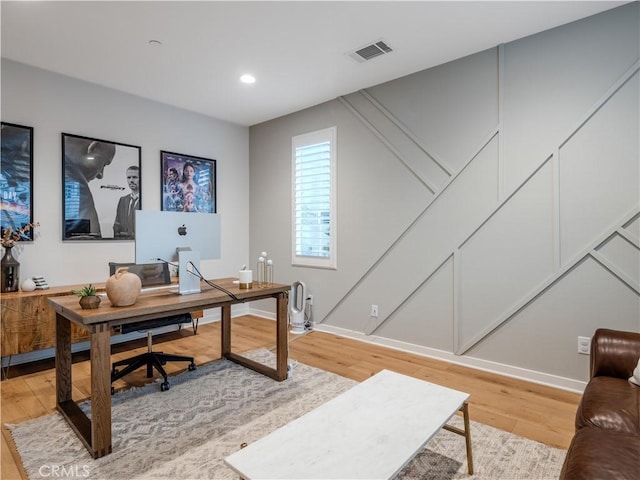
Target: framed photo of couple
x: 188, y: 183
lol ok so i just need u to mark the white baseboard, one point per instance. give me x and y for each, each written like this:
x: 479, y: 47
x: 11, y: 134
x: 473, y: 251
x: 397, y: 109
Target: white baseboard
x: 213, y: 315
x: 540, y: 378
x: 262, y: 314
x: 471, y: 362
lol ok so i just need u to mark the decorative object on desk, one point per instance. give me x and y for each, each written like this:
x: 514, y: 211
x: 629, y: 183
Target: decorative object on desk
x: 41, y: 283
x: 194, y: 442
x: 28, y: 285
x: 188, y: 183
x: 88, y: 297
x: 10, y: 265
x: 245, y: 279
x: 101, y: 188
x: 261, y: 271
x: 269, y: 273
x: 10, y: 272
x: 123, y: 287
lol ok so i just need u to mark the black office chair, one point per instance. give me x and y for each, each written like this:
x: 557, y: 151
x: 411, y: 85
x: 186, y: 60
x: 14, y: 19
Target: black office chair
x: 155, y: 274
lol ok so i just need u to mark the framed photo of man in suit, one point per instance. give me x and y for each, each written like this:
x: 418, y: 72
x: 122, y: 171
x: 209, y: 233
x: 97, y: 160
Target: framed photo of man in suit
x: 101, y: 188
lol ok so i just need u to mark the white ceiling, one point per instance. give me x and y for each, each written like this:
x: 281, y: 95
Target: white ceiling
x: 298, y: 50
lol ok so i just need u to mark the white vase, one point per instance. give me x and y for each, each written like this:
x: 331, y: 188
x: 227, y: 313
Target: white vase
x: 28, y: 285
x: 123, y: 287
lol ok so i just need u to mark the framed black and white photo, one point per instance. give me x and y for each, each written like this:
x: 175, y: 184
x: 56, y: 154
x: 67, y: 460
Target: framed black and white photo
x: 101, y: 188
x: 16, y: 178
x: 188, y: 183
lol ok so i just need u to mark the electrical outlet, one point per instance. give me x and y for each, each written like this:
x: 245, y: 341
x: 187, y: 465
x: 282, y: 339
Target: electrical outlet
x: 310, y: 299
x: 374, y: 311
x: 584, y: 345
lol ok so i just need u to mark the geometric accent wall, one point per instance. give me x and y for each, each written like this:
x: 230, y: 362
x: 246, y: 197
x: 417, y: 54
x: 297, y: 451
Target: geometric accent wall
x: 496, y: 258
x: 499, y: 255
x: 489, y: 206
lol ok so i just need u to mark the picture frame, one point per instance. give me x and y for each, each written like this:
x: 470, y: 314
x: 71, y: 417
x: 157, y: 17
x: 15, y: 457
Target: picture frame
x: 16, y: 178
x: 188, y: 183
x: 99, y: 183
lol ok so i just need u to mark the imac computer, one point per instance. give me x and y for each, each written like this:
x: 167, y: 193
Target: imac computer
x: 182, y: 237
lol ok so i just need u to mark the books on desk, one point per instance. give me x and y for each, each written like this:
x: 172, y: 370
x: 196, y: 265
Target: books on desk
x: 41, y: 283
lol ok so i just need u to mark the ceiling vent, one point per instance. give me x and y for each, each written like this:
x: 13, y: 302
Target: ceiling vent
x: 370, y: 51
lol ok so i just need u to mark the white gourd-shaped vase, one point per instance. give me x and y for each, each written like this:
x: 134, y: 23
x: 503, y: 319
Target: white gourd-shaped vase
x: 123, y: 287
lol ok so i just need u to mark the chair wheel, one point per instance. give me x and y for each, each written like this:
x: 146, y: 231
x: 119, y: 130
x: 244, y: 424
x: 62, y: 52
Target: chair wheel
x: 192, y: 367
x: 164, y: 386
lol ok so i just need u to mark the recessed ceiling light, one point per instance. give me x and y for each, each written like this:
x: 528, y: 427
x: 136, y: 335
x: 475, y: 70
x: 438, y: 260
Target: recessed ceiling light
x: 248, y: 78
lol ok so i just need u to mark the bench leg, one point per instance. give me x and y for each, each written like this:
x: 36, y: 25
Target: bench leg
x: 242, y: 445
x: 466, y: 433
x: 467, y: 436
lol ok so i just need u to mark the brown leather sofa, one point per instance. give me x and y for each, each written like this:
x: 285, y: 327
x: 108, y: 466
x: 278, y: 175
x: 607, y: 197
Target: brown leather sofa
x: 606, y: 444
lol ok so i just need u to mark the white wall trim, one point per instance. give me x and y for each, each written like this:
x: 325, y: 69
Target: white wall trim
x: 430, y: 186
x: 602, y: 101
x: 537, y: 291
x: 613, y: 269
x: 501, y: 149
x: 407, y: 131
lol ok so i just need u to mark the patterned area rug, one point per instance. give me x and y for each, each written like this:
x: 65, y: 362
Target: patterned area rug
x: 186, y: 432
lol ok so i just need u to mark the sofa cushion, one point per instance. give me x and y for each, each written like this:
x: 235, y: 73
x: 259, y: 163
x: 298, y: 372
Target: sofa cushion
x: 612, y: 404
x: 601, y: 454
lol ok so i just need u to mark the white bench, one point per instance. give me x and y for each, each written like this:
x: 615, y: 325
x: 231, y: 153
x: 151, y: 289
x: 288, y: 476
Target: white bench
x: 371, y: 431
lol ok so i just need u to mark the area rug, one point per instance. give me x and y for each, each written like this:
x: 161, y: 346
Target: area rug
x: 187, y: 431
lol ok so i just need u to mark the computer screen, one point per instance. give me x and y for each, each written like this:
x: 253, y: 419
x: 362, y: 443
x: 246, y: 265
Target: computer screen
x: 160, y: 235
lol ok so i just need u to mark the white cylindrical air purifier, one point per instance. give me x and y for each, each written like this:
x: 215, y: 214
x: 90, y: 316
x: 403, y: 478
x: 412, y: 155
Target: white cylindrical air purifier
x: 297, y: 303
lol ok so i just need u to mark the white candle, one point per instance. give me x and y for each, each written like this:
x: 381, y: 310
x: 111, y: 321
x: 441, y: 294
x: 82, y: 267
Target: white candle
x: 246, y: 278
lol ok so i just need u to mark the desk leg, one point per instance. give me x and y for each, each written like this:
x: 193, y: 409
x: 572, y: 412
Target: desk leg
x: 63, y: 359
x: 282, y: 337
x: 225, y: 334
x: 95, y: 434
x: 101, y: 390
x: 282, y: 342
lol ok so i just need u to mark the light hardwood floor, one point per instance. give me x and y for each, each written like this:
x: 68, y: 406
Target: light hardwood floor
x: 537, y: 412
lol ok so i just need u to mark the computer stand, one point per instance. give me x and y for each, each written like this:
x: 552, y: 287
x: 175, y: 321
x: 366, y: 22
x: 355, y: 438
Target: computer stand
x: 188, y: 277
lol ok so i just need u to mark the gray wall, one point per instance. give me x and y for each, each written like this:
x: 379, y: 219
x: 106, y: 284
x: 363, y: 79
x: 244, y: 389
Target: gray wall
x: 489, y: 206
x: 52, y: 103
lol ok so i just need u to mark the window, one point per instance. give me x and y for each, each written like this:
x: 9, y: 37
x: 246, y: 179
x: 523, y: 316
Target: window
x: 314, y: 192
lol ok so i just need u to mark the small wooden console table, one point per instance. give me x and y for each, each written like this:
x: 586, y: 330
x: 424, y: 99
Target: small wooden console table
x: 95, y: 433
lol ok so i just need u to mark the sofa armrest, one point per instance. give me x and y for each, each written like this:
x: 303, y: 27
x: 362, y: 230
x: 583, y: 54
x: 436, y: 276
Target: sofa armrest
x: 614, y: 353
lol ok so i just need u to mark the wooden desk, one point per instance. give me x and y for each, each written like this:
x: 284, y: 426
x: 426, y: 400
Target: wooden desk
x: 96, y: 433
